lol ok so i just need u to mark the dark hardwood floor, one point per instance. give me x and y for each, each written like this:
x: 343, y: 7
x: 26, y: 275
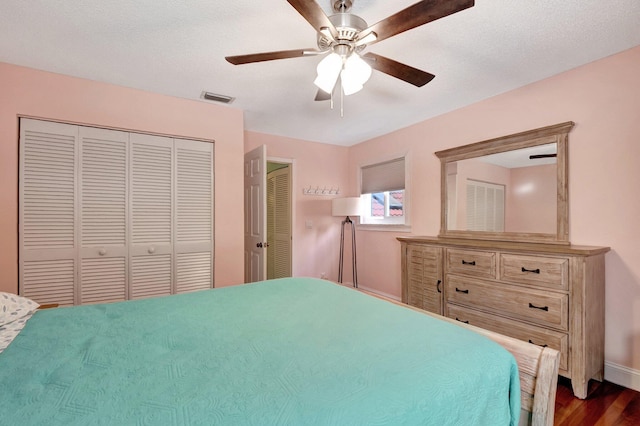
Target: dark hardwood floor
x: 607, y: 405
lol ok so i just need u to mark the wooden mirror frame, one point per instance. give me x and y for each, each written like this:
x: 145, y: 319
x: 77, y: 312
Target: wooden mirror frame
x: 558, y: 134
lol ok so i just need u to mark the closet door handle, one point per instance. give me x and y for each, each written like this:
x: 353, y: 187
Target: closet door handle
x: 534, y: 271
x: 542, y: 308
x: 259, y: 245
x: 438, y: 286
x: 464, y: 291
x: 102, y: 252
x: 151, y: 250
x: 472, y: 263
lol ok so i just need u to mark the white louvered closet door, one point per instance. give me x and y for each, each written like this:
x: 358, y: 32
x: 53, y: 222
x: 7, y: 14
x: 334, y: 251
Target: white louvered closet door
x: 151, y: 195
x: 103, y: 215
x: 47, y: 230
x: 108, y: 215
x: 485, y: 206
x: 279, y: 223
x: 271, y: 228
x: 193, y: 225
x: 282, y: 229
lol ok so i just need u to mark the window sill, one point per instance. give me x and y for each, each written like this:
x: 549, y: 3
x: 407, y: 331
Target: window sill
x: 387, y: 228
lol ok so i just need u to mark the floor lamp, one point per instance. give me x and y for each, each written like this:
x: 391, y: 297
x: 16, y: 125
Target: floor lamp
x: 349, y: 206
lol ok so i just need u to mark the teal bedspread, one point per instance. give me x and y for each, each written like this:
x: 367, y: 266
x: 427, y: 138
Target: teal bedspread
x: 291, y: 351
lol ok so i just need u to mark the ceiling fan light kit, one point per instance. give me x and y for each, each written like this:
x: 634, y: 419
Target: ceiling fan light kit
x: 350, y: 67
x: 354, y: 74
x: 343, y: 36
x: 328, y: 72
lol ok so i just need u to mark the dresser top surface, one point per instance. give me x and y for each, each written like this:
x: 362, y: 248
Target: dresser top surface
x: 568, y: 249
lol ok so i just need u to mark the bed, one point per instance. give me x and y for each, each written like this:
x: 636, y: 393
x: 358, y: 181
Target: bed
x: 290, y: 351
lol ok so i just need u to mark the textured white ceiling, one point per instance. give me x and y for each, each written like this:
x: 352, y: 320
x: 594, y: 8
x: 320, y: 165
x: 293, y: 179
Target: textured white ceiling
x: 178, y: 48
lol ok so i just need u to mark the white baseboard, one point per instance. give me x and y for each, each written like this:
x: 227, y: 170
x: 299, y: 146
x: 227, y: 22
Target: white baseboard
x: 379, y: 293
x: 621, y: 375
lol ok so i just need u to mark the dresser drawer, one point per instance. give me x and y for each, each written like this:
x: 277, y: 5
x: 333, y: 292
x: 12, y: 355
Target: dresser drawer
x: 471, y: 262
x: 544, y: 308
x: 551, y: 272
x: 529, y: 333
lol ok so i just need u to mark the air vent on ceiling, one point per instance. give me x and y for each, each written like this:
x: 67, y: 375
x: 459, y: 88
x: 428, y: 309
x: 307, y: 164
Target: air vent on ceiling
x: 217, y: 98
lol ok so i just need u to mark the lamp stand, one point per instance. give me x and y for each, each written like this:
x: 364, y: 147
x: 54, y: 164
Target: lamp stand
x: 353, y: 252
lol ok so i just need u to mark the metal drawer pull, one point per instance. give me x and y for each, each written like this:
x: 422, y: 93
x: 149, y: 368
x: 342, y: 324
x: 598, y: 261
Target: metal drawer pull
x: 467, y: 292
x: 543, y: 308
x: 531, y: 341
x: 472, y: 263
x: 466, y: 322
x: 535, y: 271
x: 438, y: 286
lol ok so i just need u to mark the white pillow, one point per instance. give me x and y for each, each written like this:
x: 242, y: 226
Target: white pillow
x: 10, y: 331
x: 14, y: 307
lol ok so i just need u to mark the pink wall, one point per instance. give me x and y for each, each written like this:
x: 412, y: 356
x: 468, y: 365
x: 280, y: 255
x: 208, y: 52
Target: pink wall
x: 27, y: 92
x: 603, y: 99
x: 532, y: 205
x: 315, y: 249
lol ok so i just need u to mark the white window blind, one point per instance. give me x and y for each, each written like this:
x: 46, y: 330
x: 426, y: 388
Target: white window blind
x: 381, y: 177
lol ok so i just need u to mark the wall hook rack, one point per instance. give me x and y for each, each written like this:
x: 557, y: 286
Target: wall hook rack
x: 309, y: 190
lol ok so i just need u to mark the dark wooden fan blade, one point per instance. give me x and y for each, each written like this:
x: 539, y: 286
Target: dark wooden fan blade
x: 321, y: 95
x: 538, y: 156
x: 398, y: 70
x: 414, y: 16
x: 270, y: 56
x: 313, y: 13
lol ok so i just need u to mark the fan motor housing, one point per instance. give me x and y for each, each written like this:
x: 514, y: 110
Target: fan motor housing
x: 348, y: 26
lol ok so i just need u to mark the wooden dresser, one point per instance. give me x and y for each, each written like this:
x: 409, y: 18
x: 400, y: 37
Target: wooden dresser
x: 546, y: 294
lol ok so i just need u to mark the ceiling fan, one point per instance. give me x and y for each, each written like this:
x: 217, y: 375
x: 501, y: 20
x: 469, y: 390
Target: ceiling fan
x: 343, y: 37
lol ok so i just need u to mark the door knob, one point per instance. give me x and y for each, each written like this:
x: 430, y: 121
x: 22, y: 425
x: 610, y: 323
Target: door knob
x: 102, y: 252
x: 151, y: 250
x: 259, y: 245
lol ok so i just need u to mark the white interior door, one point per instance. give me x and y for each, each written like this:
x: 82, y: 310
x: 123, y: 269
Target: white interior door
x: 103, y: 215
x: 193, y: 223
x: 151, y: 203
x: 255, y: 215
x: 48, y: 223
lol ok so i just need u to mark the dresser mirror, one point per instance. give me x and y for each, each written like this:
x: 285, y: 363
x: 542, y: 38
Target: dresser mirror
x: 512, y: 188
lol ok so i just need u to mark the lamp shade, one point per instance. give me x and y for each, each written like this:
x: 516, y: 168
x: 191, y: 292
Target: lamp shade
x: 355, y: 73
x: 328, y: 71
x: 348, y: 206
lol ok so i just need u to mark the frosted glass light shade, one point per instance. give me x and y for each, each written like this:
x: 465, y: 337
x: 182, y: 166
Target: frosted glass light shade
x: 356, y: 72
x: 328, y: 71
x: 348, y: 206
x: 349, y: 84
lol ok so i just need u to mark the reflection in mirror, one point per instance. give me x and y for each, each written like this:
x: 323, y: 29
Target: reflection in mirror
x: 513, y: 191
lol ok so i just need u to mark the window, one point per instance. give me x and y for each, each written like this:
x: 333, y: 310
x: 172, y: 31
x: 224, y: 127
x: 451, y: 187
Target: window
x: 383, y: 193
